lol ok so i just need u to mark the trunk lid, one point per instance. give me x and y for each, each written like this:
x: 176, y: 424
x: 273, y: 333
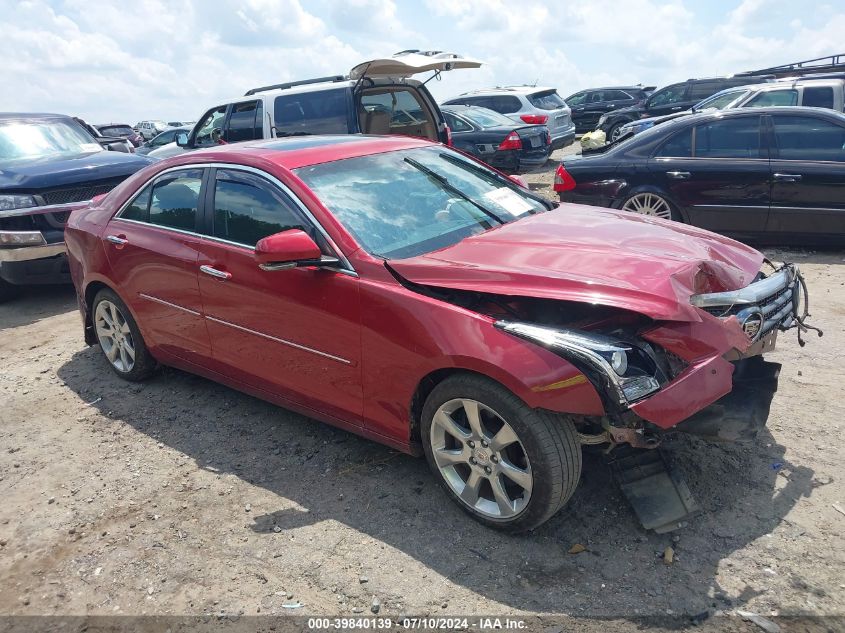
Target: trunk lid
x: 411, y: 62
x: 580, y: 253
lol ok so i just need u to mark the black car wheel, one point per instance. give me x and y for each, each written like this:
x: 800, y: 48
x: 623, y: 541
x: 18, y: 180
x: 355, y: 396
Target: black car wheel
x: 650, y: 203
x: 615, y: 131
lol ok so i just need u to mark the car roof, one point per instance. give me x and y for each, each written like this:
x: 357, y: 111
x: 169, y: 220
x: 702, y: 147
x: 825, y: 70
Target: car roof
x: 521, y: 90
x: 301, y: 151
x: 617, y: 88
x: 31, y: 116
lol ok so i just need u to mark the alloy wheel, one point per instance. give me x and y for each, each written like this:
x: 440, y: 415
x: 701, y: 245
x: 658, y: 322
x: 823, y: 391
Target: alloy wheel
x: 115, y: 336
x: 648, y: 204
x: 481, y: 458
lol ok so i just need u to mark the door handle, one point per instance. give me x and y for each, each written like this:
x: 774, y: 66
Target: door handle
x: 787, y: 177
x: 217, y: 274
x: 117, y: 240
x: 678, y: 175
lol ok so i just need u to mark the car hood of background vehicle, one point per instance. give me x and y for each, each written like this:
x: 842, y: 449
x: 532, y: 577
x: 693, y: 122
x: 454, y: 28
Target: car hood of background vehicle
x: 42, y: 173
x: 580, y: 253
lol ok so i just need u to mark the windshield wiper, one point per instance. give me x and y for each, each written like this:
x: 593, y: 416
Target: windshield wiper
x: 451, y: 188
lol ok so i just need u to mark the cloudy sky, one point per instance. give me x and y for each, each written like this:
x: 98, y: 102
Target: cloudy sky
x: 173, y: 59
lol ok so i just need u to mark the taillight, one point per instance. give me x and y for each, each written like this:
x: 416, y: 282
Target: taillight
x: 512, y: 141
x: 448, y: 135
x: 563, y: 179
x: 534, y: 119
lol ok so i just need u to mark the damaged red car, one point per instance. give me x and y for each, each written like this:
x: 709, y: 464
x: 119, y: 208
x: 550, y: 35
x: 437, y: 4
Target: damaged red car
x: 409, y: 293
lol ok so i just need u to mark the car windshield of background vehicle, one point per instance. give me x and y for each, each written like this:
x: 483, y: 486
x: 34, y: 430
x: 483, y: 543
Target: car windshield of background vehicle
x: 485, y: 118
x: 720, y: 102
x: 406, y: 203
x: 548, y: 100
x: 43, y: 139
x: 320, y: 112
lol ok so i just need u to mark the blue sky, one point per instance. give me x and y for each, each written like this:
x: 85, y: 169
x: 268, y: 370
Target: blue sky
x: 173, y: 59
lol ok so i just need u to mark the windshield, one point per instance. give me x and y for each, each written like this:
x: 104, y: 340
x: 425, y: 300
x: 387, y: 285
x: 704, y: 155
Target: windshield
x: 720, y: 101
x: 485, y: 118
x: 27, y: 140
x: 406, y: 203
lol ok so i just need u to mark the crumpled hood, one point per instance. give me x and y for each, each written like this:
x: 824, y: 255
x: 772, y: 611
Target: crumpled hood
x: 601, y: 256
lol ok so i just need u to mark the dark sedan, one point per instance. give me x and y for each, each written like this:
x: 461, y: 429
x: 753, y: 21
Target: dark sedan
x: 766, y: 174
x: 496, y: 139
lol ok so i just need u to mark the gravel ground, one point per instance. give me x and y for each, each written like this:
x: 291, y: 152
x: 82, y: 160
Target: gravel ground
x: 180, y: 496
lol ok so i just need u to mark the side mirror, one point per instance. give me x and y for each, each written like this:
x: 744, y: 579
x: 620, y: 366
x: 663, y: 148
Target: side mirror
x: 519, y: 180
x: 289, y: 249
x: 182, y: 139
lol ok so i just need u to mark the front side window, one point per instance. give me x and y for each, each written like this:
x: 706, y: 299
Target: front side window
x: 733, y: 138
x: 773, y: 98
x: 546, y: 100
x: 668, y: 95
x: 704, y: 89
x: 404, y: 203
x: 808, y: 138
x: 247, y: 209
x: 577, y: 99
x: 170, y: 201
x: 318, y: 112
x: 210, y: 129
x: 241, y: 126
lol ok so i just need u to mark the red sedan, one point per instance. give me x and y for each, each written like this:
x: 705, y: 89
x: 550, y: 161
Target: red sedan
x: 404, y: 291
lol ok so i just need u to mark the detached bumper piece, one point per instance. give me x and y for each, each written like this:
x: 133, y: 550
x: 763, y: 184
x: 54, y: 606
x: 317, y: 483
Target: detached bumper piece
x: 658, y: 494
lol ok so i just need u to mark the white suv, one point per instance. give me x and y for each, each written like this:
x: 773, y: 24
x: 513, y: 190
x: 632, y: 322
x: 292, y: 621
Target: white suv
x: 150, y: 129
x: 376, y: 97
x: 534, y: 105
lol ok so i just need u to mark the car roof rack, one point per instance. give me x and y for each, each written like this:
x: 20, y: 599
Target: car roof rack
x: 291, y: 84
x: 830, y: 63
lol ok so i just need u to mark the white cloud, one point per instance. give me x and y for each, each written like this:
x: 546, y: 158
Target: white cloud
x: 104, y: 59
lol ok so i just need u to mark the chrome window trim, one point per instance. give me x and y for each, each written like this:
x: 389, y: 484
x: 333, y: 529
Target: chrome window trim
x: 167, y: 303
x: 346, y: 267
x: 281, y: 340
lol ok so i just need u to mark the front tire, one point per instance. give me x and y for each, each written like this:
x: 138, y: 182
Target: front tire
x: 509, y: 466
x: 120, y: 339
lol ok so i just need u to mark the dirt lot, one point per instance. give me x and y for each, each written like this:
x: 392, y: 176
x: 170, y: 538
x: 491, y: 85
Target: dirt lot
x: 179, y: 496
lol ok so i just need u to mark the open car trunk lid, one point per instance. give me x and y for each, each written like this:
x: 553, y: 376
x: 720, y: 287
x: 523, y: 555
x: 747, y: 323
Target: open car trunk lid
x: 411, y: 62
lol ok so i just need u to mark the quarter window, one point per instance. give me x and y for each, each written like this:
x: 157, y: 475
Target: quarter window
x: 734, y: 138
x: 808, y: 138
x: 246, y: 209
x: 818, y: 97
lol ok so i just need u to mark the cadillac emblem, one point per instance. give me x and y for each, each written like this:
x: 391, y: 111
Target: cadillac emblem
x: 751, y: 321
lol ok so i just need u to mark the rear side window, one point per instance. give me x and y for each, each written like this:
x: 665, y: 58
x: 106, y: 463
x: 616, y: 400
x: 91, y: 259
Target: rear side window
x: 734, y: 138
x: 678, y: 146
x: 773, y: 98
x: 546, y: 100
x: 247, y: 209
x: 319, y: 112
x: 171, y: 201
x: 242, y: 122
x: 818, y: 97
x: 808, y: 138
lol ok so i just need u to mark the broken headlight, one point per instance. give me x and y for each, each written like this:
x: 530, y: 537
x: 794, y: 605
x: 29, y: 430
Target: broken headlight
x: 627, y: 372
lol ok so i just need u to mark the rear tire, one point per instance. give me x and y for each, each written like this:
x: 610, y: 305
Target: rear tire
x: 119, y: 338
x: 509, y: 466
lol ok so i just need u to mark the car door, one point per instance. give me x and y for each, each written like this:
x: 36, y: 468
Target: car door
x: 808, y: 176
x: 293, y: 333
x: 578, y: 104
x: 717, y: 172
x: 152, y: 247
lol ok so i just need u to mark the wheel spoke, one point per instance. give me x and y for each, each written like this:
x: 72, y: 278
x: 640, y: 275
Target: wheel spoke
x: 124, y: 357
x: 474, y: 418
x: 505, y: 437
x: 111, y: 353
x: 447, y: 457
x: 445, y: 421
x: 502, y: 500
x: 521, y: 478
x: 130, y: 351
x: 472, y: 488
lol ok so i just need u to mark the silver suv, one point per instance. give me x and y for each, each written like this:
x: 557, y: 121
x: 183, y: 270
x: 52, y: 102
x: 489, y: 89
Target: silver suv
x: 534, y: 105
